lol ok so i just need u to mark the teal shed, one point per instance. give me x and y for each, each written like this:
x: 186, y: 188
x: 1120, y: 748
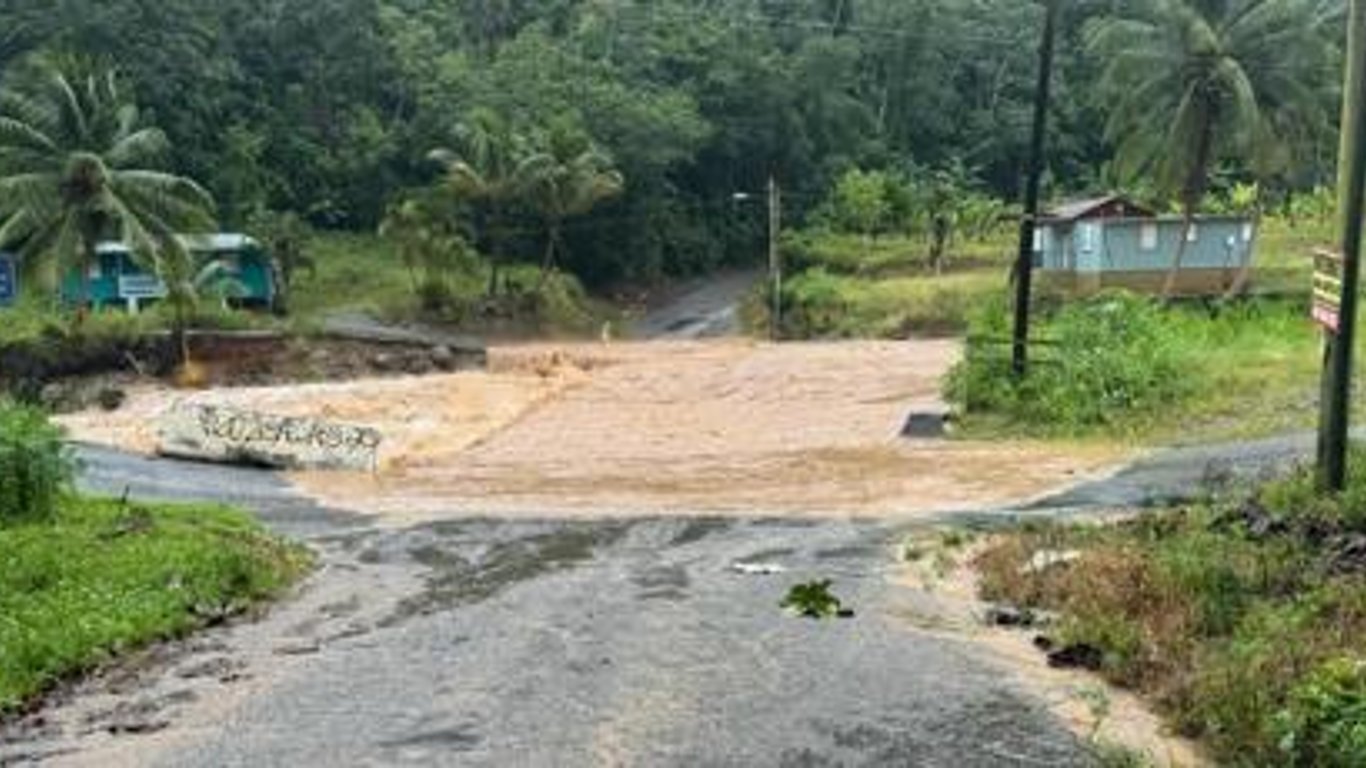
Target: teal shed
x: 117, y: 279
x: 1109, y: 242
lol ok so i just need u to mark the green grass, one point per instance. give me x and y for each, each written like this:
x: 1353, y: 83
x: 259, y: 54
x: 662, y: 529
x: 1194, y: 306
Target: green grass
x: 352, y: 272
x: 847, y: 287
x: 1120, y: 366
x: 890, y: 256
x: 1283, y: 257
x: 1239, y: 618
x: 1236, y: 370
x: 365, y: 273
x: 102, y: 577
x: 821, y: 304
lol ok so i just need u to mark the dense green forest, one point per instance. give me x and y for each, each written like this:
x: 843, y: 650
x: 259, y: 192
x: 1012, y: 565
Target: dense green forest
x: 330, y: 109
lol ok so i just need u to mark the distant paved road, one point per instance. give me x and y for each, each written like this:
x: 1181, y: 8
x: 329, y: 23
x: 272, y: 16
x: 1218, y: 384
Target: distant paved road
x: 708, y: 308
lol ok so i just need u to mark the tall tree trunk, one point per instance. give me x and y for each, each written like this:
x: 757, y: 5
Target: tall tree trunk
x: 1192, y: 193
x: 495, y: 249
x: 1240, y: 280
x: 1187, y: 227
x: 492, y: 291
x: 89, y: 256
x: 180, y: 339
x: 939, y: 243
x: 552, y: 241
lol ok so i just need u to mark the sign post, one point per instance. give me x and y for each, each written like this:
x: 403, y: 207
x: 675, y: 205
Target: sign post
x: 1337, y: 357
x: 1327, y: 305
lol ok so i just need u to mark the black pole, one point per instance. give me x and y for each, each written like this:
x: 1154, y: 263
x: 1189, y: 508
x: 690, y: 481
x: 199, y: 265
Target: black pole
x: 1024, y: 264
x: 1333, y: 427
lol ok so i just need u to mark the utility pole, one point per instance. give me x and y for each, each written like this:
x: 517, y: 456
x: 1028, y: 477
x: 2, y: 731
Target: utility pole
x: 775, y: 264
x: 1337, y: 354
x: 1024, y: 264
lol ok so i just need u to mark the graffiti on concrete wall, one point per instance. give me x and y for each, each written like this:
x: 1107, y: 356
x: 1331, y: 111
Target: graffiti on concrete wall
x: 221, y: 433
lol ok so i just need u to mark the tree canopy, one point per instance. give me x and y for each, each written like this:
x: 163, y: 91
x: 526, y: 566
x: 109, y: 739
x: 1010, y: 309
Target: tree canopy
x: 329, y: 109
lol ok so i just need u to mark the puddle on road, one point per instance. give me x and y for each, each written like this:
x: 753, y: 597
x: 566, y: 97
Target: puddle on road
x: 461, y: 573
x: 460, y: 738
x: 697, y: 530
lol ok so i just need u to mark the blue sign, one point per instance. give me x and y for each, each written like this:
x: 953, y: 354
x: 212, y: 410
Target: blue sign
x: 9, y: 284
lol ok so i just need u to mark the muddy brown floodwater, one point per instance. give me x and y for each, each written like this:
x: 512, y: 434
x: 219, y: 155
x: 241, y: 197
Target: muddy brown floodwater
x: 655, y: 428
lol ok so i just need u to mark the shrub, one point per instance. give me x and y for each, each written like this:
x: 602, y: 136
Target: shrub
x: 1296, y: 499
x: 35, y: 466
x: 1108, y: 358
x: 1235, y: 616
x: 1324, y: 723
x: 815, y: 303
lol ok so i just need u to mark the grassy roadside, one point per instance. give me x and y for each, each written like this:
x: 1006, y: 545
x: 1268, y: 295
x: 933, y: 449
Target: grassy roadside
x: 1195, y: 372
x: 845, y: 286
x: 1121, y: 367
x: 1243, y: 618
x: 102, y: 578
x: 83, y: 580
x: 366, y: 273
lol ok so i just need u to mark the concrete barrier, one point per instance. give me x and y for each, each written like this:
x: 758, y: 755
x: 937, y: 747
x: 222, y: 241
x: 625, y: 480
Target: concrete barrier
x: 232, y: 436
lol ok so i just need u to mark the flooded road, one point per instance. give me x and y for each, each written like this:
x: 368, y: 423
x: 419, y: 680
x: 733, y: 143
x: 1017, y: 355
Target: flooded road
x: 555, y: 643
x: 576, y: 642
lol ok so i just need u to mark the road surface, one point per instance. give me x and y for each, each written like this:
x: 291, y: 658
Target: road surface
x: 556, y: 643
x: 571, y: 643
x: 706, y: 308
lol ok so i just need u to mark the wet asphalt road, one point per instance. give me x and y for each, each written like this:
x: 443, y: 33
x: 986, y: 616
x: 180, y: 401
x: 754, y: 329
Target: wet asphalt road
x: 562, y: 643
x: 707, y: 309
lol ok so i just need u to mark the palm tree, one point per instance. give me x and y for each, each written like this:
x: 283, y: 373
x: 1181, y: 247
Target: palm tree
x: 484, y: 171
x: 1192, y: 83
x: 76, y: 169
x: 567, y: 176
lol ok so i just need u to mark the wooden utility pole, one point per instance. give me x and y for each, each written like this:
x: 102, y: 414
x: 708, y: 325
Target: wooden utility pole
x: 1024, y: 264
x: 1337, y: 354
x: 775, y: 263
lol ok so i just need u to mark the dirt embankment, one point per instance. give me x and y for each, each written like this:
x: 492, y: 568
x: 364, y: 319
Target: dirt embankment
x: 945, y: 585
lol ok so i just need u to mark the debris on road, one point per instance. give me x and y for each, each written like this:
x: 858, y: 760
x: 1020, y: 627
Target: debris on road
x: 813, y: 600
x: 757, y: 569
x: 1046, y: 559
x: 1077, y: 656
x: 1013, y: 616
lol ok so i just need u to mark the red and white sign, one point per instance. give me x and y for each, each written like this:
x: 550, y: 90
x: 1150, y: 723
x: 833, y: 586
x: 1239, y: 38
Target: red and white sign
x: 1326, y: 316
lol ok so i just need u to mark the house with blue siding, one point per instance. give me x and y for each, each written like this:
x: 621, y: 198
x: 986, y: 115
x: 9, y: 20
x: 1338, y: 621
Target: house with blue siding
x: 1109, y: 242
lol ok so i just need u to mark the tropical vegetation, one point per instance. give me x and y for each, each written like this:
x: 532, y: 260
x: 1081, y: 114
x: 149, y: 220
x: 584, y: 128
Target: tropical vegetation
x: 1241, y: 615
x: 82, y: 579
x: 328, y: 110
x: 1197, y: 83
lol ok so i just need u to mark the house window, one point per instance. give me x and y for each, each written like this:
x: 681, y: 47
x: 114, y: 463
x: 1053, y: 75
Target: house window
x: 1038, y: 240
x: 1147, y: 237
x: 1089, y: 236
x: 1247, y: 231
x: 1193, y: 233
